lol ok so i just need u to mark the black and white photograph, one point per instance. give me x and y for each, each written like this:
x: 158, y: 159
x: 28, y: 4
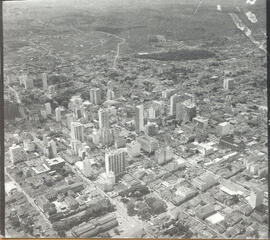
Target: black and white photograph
x: 134, y: 119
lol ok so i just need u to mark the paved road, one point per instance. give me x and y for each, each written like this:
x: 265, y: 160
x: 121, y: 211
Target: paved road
x: 118, y: 52
x: 120, y: 207
x: 203, y: 222
x: 123, y: 40
x: 30, y: 199
x: 170, y: 205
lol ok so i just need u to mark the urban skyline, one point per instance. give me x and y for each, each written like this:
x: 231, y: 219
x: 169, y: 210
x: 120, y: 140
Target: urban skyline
x: 135, y: 120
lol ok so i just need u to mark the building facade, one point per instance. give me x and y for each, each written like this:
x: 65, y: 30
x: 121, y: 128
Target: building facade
x: 17, y: 154
x: 103, y: 118
x: 115, y: 161
x: 77, y: 131
x: 95, y: 96
x: 139, y: 118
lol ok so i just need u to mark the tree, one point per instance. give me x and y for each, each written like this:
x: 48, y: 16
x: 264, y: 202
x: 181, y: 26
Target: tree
x: 15, y: 221
x: 19, y: 173
x: 59, y: 226
x: 116, y: 231
x: 28, y: 225
x: 71, y: 222
x: 48, y: 182
x: 156, y: 205
x: 62, y: 234
x: 104, y: 235
x: 130, y: 208
x: 201, y: 135
x: 235, y: 199
x: 85, y: 95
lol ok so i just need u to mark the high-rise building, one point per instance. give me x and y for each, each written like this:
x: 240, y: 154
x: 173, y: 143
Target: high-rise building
x: 76, y: 145
x: 44, y: 81
x: 156, y: 109
x: 45, y: 139
x: 168, y: 93
x: 139, y: 118
x: 256, y: 198
x: 106, y: 136
x: 103, y: 118
x: 95, y: 96
x: 152, y: 113
x: 17, y: 154
x: 87, y: 167
x: 53, y: 148
x: 185, y: 111
x: 134, y: 149
x: 224, y: 129
x: 110, y: 178
x: 75, y: 102
x: 49, y: 147
x: 163, y: 155
x: 21, y: 79
x: 48, y: 108
x: 200, y: 122
x: 51, y: 89
x: 179, y: 111
x: 110, y: 94
x: 189, y: 97
x: 28, y: 145
x: 95, y: 137
x: 77, y: 131
x: 83, y: 150
x: 92, y: 95
x: 160, y: 106
x: 43, y: 113
x: 78, y: 112
x: 174, y: 99
x: 112, y: 110
x: 11, y: 78
x: 120, y: 142
x: 151, y: 129
x: 190, y: 111
x: 228, y: 83
x: 70, y: 118
x: 28, y: 82
x: 148, y: 144
x: 85, y: 112
x: 58, y: 114
x: 115, y: 161
x: 107, y: 181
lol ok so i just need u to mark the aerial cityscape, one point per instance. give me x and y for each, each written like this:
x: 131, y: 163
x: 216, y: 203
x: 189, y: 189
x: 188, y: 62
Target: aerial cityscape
x: 135, y: 119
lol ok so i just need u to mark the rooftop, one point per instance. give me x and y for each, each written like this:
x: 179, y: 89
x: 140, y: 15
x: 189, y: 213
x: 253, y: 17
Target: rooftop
x: 54, y: 161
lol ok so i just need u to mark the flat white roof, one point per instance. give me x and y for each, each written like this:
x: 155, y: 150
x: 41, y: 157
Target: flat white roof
x: 215, y: 218
x: 54, y: 160
x: 9, y: 186
x: 224, y: 124
x: 180, y: 160
x: 79, y: 165
x: 231, y: 191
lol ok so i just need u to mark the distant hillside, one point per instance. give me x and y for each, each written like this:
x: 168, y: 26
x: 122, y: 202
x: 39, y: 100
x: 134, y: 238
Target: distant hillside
x: 175, y: 19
